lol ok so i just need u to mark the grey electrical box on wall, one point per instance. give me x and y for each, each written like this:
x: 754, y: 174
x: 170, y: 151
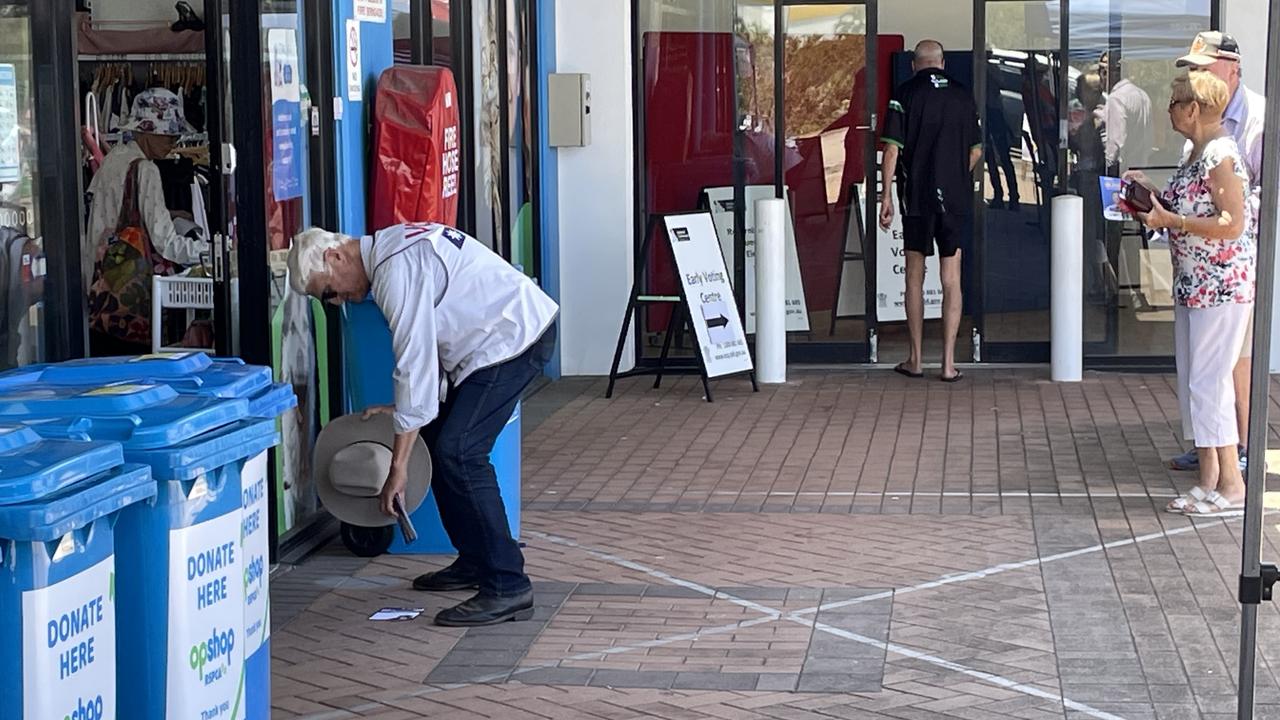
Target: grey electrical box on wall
x: 569, y: 109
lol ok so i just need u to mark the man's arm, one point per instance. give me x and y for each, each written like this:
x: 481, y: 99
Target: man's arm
x: 1116, y: 131
x: 974, y: 137
x: 406, y: 294
x: 894, y: 137
x: 889, y: 169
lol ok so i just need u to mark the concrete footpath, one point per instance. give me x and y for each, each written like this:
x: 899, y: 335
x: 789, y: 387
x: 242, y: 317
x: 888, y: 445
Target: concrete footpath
x: 851, y: 545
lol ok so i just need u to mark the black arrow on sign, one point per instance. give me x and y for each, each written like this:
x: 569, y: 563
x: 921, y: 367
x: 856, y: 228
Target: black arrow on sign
x: 717, y: 322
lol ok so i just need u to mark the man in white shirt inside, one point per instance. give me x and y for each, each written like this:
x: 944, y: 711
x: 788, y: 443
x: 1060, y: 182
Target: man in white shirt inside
x: 457, y: 310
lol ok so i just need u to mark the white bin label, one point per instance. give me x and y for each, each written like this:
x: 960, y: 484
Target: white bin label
x: 206, y: 621
x: 257, y: 618
x: 69, y: 647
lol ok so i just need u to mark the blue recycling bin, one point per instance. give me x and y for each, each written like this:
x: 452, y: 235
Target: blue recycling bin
x: 181, y: 601
x: 368, y: 366
x: 58, y: 643
x: 197, y: 375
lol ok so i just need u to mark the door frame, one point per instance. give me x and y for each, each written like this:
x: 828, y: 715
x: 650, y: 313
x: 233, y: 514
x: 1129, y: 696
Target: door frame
x: 820, y: 351
x: 1010, y: 351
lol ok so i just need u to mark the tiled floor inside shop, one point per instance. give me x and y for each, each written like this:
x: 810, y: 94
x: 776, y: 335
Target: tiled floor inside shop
x: 850, y: 545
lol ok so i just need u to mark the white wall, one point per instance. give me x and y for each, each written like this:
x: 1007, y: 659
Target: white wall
x: 139, y: 10
x: 950, y: 22
x: 596, y: 186
x: 1242, y: 18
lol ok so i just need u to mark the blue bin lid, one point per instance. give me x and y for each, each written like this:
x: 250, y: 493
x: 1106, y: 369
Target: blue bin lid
x: 100, y: 370
x: 138, y: 416
x: 206, y: 453
x: 273, y: 402
x: 187, y: 373
x: 18, y: 377
x: 50, y: 518
x: 32, y: 467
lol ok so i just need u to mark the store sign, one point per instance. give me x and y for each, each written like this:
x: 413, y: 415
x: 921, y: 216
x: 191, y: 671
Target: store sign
x: 706, y: 287
x: 10, y: 141
x: 355, y: 68
x: 69, y: 647
x: 206, y: 620
x: 286, y: 115
x: 255, y: 546
x: 721, y: 203
x: 371, y: 10
x: 891, y: 272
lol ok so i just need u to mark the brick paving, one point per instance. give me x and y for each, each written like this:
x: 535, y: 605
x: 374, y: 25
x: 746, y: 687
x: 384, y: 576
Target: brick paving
x: 851, y: 545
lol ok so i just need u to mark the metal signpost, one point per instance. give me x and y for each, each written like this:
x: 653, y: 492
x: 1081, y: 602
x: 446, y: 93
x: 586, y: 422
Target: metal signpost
x: 1256, y: 579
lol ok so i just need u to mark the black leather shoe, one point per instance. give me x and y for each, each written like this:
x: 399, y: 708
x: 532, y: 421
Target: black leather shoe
x: 447, y: 580
x: 487, y: 610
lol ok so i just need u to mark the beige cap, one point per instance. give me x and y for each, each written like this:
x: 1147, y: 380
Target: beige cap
x: 1210, y: 47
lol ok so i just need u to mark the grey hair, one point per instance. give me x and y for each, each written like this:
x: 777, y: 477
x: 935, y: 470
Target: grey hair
x: 306, y: 257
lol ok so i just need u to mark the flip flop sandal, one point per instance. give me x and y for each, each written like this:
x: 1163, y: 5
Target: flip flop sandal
x: 1180, y: 504
x: 901, y: 370
x: 1214, y: 506
x: 954, y: 378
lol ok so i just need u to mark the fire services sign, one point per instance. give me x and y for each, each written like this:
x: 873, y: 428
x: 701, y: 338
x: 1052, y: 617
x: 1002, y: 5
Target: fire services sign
x: 371, y: 10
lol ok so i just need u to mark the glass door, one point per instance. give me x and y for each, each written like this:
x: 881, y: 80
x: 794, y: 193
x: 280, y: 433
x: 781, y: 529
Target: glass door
x: 807, y: 103
x: 1020, y: 82
x: 222, y: 154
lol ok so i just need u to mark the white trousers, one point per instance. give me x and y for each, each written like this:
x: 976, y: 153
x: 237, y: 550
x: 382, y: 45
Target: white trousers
x: 1207, y: 344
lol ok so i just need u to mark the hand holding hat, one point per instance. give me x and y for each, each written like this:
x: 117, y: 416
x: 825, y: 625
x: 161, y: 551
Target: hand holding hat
x: 354, y: 475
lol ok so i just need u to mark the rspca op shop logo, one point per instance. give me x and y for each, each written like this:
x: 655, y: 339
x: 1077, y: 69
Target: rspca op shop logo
x: 87, y: 709
x: 217, y: 648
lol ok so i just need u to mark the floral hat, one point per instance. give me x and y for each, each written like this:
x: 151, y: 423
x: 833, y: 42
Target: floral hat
x: 159, y: 112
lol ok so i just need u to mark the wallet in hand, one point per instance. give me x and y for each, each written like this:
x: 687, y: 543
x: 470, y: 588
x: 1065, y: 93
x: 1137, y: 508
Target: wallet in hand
x: 1141, y: 199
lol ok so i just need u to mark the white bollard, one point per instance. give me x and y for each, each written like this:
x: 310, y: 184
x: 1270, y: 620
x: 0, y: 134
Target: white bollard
x: 771, y: 291
x: 1067, y: 303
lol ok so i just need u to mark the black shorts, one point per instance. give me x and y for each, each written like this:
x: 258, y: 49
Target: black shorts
x: 950, y: 232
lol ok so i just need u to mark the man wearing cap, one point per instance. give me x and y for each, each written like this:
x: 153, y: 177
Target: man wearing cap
x: 458, y: 311
x: 1244, y: 118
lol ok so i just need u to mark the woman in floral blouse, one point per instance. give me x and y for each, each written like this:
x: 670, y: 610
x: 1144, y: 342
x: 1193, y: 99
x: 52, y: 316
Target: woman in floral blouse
x: 1207, y: 215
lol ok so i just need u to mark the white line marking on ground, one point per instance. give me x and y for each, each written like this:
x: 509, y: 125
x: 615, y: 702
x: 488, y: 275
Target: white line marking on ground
x: 889, y: 647
x: 800, y: 617
x: 1003, y: 682
x: 999, y: 569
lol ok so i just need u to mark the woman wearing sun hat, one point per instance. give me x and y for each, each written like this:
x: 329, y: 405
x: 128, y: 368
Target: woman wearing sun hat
x: 131, y: 232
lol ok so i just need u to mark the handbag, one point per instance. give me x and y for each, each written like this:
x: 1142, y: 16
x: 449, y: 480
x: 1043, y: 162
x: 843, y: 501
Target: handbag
x: 120, y: 294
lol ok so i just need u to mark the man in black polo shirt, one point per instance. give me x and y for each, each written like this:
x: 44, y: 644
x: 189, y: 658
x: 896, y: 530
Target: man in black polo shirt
x: 932, y: 124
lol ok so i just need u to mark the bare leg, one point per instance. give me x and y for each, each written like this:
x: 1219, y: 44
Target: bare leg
x: 915, y: 309
x: 952, y: 309
x: 1230, y: 481
x: 1240, y: 375
x: 1210, y: 471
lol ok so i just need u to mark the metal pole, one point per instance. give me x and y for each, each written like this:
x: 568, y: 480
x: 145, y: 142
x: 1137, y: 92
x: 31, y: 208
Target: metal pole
x: 1252, y: 590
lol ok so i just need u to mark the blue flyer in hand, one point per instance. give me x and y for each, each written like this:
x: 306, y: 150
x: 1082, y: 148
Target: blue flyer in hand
x: 1110, y: 189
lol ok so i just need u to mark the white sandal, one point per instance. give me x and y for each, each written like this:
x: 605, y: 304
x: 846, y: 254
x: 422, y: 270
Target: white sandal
x: 1214, y: 506
x: 1180, y: 504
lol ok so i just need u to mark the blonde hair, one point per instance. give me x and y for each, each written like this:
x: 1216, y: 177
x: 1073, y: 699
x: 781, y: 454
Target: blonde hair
x: 1205, y: 89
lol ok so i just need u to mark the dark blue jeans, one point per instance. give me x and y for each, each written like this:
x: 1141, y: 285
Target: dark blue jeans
x: 463, y: 480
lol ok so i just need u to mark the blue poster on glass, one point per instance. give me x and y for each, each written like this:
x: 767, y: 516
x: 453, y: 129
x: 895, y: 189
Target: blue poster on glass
x: 10, y: 149
x: 286, y: 115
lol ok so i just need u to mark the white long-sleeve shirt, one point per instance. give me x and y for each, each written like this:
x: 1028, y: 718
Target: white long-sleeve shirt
x: 107, y: 190
x: 1130, y: 135
x: 453, y: 306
